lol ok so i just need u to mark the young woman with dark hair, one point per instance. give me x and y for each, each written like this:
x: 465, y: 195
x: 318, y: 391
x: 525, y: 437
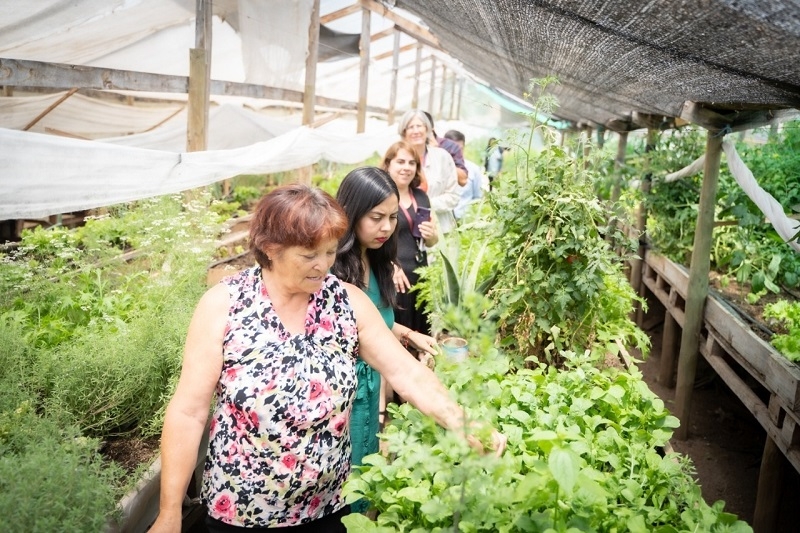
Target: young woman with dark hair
x: 366, y: 255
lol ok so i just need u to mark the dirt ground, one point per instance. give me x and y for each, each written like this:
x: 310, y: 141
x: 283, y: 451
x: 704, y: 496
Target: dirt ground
x: 725, y: 440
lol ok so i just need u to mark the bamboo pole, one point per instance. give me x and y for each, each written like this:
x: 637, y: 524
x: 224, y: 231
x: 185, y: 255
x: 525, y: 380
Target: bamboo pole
x: 698, y: 285
x: 622, y: 147
x: 395, y: 71
x: 361, y: 121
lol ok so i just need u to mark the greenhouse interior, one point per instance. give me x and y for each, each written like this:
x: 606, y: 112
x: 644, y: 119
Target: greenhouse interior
x: 615, y: 239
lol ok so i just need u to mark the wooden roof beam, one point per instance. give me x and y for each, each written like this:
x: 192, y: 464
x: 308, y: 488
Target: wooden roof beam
x: 719, y: 119
x: 339, y: 13
x: 416, y: 31
x: 26, y: 73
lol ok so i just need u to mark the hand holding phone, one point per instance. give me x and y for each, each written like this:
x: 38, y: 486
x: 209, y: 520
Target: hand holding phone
x: 423, y: 215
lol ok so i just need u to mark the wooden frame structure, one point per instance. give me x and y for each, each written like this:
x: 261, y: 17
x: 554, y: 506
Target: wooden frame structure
x: 749, y: 366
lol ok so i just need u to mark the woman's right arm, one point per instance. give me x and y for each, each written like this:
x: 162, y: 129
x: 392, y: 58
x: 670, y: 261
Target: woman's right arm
x: 188, y: 410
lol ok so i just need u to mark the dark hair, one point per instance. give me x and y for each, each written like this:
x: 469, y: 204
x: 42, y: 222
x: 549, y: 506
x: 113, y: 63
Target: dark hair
x: 455, y: 135
x: 391, y: 153
x: 360, y: 191
x: 294, y: 215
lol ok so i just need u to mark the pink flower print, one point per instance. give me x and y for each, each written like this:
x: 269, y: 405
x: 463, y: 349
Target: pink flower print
x: 326, y: 324
x: 289, y: 461
x: 313, y: 505
x: 223, y: 506
x: 316, y: 389
x: 338, y: 423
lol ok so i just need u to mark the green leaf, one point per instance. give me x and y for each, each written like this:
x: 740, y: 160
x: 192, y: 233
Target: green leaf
x: 564, y: 465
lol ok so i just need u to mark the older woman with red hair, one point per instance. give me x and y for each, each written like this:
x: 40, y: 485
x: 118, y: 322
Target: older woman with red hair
x: 275, y: 348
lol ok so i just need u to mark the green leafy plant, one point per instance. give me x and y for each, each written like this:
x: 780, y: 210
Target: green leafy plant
x: 787, y: 314
x: 583, y: 453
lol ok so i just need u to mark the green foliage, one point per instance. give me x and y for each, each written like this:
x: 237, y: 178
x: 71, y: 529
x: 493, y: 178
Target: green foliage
x: 90, y: 347
x: 787, y: 314
x: 555, y: 261
x: 582, y: 453
x: 745, y: 244
x: 75, y: 492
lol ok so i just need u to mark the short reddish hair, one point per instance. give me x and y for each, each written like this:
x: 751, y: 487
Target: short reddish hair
x: 294, y: 215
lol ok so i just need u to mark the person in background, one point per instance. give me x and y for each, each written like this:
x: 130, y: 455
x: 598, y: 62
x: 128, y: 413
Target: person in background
x: 452, y: 148
x: 275, y: 348
x: 403, y: 165
x: 472, y: 190
x: 365, y: 259
x: 437, y: 167
x: 493, y: 162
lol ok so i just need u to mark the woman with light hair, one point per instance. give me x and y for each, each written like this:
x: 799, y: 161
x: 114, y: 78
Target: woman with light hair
x: 437, y: 166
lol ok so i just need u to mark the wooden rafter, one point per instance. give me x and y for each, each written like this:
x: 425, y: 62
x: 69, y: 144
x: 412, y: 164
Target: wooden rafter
x: 416, y: 31
x: 339, y: 13
x: 25, y: 73
x: 718, y: 119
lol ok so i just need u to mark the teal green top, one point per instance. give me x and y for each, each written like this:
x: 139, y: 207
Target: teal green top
x: 364, y: 423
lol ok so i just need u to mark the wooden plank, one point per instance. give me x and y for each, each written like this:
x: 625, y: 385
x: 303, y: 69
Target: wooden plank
x: 770, y: 482
x: 52, y: 106
x: 38, y: 74
x: 395, y: 72
x: 404, y: 48
x: 363, y: 78
x: 340, y: 13
x: 698, y: 285
x: 406, y: 26
x: 197, y: 127
x: 753, y: 403
x: 310, y: 86
x: 760, y: 359
x: 716, y: 119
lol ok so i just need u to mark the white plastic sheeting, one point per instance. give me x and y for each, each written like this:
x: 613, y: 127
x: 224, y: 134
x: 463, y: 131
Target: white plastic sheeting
x: 41, y: 175
x: 772, y: 209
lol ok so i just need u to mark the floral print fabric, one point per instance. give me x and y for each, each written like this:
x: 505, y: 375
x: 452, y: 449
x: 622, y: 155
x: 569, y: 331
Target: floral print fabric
x: 279, y: 443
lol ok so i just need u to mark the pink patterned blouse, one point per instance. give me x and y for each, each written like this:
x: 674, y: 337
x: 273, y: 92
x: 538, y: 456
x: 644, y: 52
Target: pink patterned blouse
x: 279, y: 443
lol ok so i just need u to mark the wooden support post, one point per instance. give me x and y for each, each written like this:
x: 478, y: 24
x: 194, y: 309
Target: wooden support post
x: 770, y: 483
x: 586, y: 138
x: 310, y: 87
x: 197, y: 124
x: 641, y: 227
x: 417, y: 67
x: 641, y: 222
x: 698, y: 285
x: 361, y: 121
x: 432, y: 94
x: 622, y: 147
x: 442, y: 92
x: 669, y: 344
x: 457, y: 115
x: 454, y: 82
x: 395, y: 70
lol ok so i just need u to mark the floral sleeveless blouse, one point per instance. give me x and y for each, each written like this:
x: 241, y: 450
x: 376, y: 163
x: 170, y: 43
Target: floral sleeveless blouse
x: 279, y: 442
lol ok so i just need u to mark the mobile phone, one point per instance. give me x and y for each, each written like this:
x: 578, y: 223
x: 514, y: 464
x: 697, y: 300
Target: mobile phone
x: 423, y: 215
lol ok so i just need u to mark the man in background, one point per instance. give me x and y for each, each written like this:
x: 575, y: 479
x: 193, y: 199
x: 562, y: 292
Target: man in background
x: 471, y: 191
